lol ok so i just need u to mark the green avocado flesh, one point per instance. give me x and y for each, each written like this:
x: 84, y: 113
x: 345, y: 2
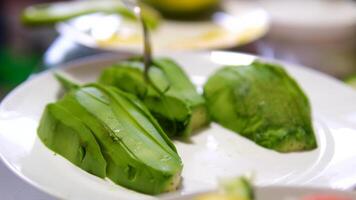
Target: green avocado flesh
x: 262, y: 103
x: 176, y: 105
x: 68, y: 136
x: 109, y: 133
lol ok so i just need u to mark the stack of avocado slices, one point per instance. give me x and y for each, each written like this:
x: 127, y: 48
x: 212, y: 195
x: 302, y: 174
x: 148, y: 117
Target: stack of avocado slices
x: 171, y: 97
x: 110, y: 133
x: 121, y: 127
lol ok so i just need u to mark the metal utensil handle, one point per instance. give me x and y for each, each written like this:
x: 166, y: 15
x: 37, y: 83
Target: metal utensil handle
x: 147, y: 50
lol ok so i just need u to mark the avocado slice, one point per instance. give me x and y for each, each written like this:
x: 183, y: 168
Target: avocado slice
x: 137, y: 153
x: 262, y: 103
x: 177, y: 105
x: 67, y: 135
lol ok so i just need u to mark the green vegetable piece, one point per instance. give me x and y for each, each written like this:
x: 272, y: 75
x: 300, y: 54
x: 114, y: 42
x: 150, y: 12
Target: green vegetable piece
x: 138, y: 153
x: 262, y: 103
x: 177, y: 106
x: 68, y: 136
x: 50, y: 13
x: 351, y: 81
x: 238, y: 188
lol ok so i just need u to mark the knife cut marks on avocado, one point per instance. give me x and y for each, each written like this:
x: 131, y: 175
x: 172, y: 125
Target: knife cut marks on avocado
x: 178, y: 107
x: 262, y: 103
x: 108, y: 132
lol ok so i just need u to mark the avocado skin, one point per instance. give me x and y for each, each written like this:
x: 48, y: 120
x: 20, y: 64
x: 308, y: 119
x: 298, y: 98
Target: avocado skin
x: 262, y: 103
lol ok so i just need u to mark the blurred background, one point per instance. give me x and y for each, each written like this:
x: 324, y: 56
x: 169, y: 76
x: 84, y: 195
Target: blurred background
x: 316, y: 33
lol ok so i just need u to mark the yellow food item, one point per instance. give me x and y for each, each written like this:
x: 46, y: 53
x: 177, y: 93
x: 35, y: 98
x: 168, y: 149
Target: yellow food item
x: 184, y: 8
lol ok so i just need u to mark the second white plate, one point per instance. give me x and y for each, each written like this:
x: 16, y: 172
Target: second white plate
x: 240, y: 23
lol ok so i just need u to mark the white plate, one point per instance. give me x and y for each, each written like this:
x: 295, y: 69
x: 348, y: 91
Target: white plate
x: 283, y: 193
x: 214, y: 153
x: 241, y: 23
